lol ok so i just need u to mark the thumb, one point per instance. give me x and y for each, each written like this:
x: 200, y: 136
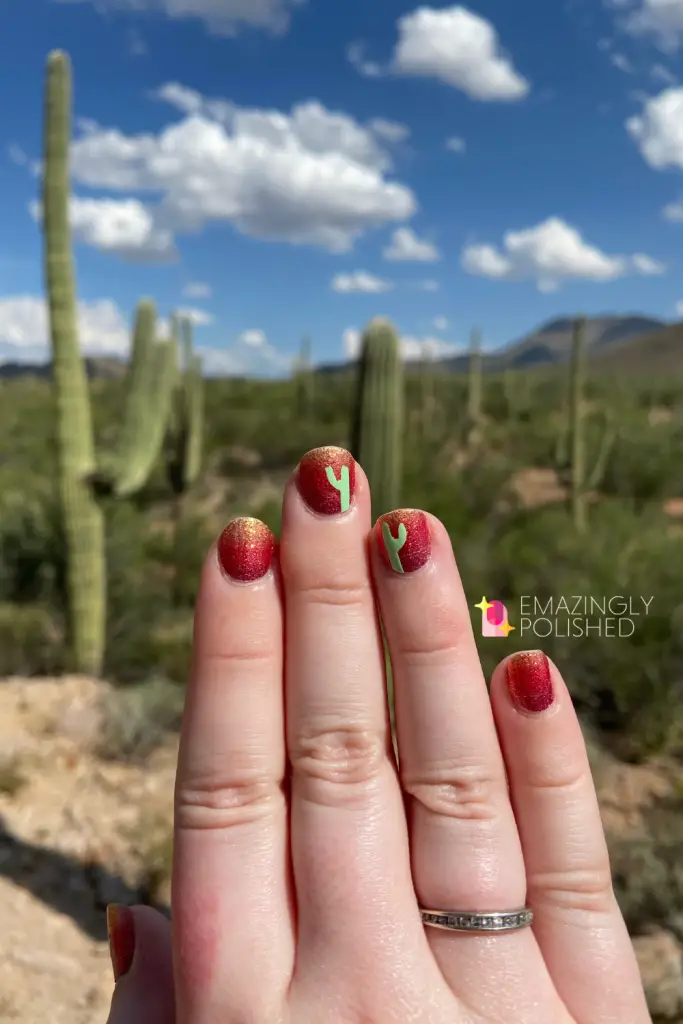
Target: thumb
x: 140, y: 946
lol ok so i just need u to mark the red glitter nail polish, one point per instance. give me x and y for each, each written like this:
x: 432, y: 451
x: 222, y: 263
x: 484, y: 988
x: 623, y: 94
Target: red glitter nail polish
x: 121, y: 932
x: 529, y: 681
x: 403, y: 539
x: 327, y: 480
x: 245, y: 549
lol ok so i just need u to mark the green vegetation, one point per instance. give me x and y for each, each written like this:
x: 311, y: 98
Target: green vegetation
x: 573, y: 490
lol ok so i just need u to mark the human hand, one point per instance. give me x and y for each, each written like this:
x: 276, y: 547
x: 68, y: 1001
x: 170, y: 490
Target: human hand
x: 303, y: 854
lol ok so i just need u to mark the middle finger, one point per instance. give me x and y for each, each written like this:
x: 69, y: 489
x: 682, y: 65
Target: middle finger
x: 348, y: 832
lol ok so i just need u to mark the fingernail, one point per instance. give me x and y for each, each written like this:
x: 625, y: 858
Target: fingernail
x: 529, y: 681
x: 403, y: 539
x: 326, y: 479
x: 245, y: 549
x: 121, y: 931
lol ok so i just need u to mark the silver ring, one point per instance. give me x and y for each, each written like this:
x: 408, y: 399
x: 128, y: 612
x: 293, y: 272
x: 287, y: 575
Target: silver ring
x: 494, y: 921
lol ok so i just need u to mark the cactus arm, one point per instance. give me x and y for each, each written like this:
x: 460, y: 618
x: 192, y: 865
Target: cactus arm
x: 138, y: 460
x: 82, y: 516
x: 342, y: 485
x: 149, y: 381
x: 394, y: 544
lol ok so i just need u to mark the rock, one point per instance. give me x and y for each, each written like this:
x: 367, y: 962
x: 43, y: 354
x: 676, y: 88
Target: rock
x: 660, y: 959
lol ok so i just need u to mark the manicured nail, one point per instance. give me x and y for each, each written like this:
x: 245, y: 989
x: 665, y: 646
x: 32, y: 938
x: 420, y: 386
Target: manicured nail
x: 245, y: 549
x: 403, y: 539
x: 327, y: 480
x: 121, y: 931
x: 529, y: 681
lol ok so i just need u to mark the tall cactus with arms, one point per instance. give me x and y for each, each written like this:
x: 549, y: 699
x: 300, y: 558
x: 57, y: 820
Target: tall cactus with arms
x: 377, y: 430
x: 82, y: 517
x: 150, y: 379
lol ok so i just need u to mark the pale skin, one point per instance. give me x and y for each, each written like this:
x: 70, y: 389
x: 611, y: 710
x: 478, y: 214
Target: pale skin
x: 303, y: 852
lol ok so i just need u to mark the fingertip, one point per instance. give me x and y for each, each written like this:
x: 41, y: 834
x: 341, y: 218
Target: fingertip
x: 144, y: 992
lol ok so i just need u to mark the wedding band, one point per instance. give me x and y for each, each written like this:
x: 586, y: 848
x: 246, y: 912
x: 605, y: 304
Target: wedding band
x: 494, y: 921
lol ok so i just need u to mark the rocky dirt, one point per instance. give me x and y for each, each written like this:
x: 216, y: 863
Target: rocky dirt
x: 77, y: 832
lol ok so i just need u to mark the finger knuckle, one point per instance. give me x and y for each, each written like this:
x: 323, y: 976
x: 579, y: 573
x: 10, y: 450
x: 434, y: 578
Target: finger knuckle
x: 464, y: 792
x: 343, y: 756
x: 203, y: 806
x: 587, y: 889
x: 336, y: 594
x: 435, y: 641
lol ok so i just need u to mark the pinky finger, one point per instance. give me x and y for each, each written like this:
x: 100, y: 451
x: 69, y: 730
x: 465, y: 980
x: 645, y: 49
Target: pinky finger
x: 143, y: 968
x: 577, y: 921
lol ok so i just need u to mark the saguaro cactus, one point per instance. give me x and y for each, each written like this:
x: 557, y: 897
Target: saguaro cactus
x: 82, y: 517
x: 475, y: 388
x: 377, y: 429
x: 185, y: 429
x: 183, y: 448
x: 149, y: 383
x: 304, y: 380
x: 576, y: 425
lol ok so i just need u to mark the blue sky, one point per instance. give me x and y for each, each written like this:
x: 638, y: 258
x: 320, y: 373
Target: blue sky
x: 291, y: 167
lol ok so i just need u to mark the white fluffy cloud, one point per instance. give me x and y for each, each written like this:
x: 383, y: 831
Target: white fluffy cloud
x: 251, y: 354
x: 441, y: 323
x: 197, y: 317
x: 24, y: 332
x: 360, y: 281
x: 455, y: 144
x: 312, y: 176
x: 124, y: 227
x: 355, y: 54
x: 406, y: 247
x: 459, y: 48
x: 197, y: 290
x: 412, y: 348
x: 222, y: 17
x: 674, y: 211
x: 658, y: 131
x: 661, y: 19
x: 390, y: 131
x: 550, y: 253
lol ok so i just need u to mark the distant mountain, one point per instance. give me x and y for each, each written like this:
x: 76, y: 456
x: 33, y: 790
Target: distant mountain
x: 659, y: 351
x: 631, y: 340
x: 551, y: 342
x: 97, y: 367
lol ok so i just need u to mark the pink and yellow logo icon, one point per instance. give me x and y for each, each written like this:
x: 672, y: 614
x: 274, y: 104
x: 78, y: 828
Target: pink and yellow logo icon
x: 494, y: 618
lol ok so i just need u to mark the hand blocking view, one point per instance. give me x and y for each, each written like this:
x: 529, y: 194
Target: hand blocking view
x: 320, y: 879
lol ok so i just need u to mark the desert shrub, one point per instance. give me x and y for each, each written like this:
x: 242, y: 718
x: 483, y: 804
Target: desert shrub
x: 31, y: 641
x: 645, y: 465
x: 137, y: 719
x: 647, y: 871
x: 32, y: 562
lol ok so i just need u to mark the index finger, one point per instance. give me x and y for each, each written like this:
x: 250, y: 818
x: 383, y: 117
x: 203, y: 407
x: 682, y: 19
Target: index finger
x: 233, y: 930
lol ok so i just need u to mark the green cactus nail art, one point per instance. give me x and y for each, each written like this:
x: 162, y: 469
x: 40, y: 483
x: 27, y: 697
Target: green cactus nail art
x: 342, y: 485
x: 394, y: 544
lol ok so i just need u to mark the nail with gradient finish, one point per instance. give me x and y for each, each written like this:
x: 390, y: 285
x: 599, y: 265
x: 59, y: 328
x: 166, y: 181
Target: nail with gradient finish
x: 529, y: 681
x: 327, y: 480
x: 121, y: 932
x: 245, y: 550
x: 403, y: 539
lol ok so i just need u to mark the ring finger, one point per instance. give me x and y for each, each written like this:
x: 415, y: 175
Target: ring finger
x: 465, y: 848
